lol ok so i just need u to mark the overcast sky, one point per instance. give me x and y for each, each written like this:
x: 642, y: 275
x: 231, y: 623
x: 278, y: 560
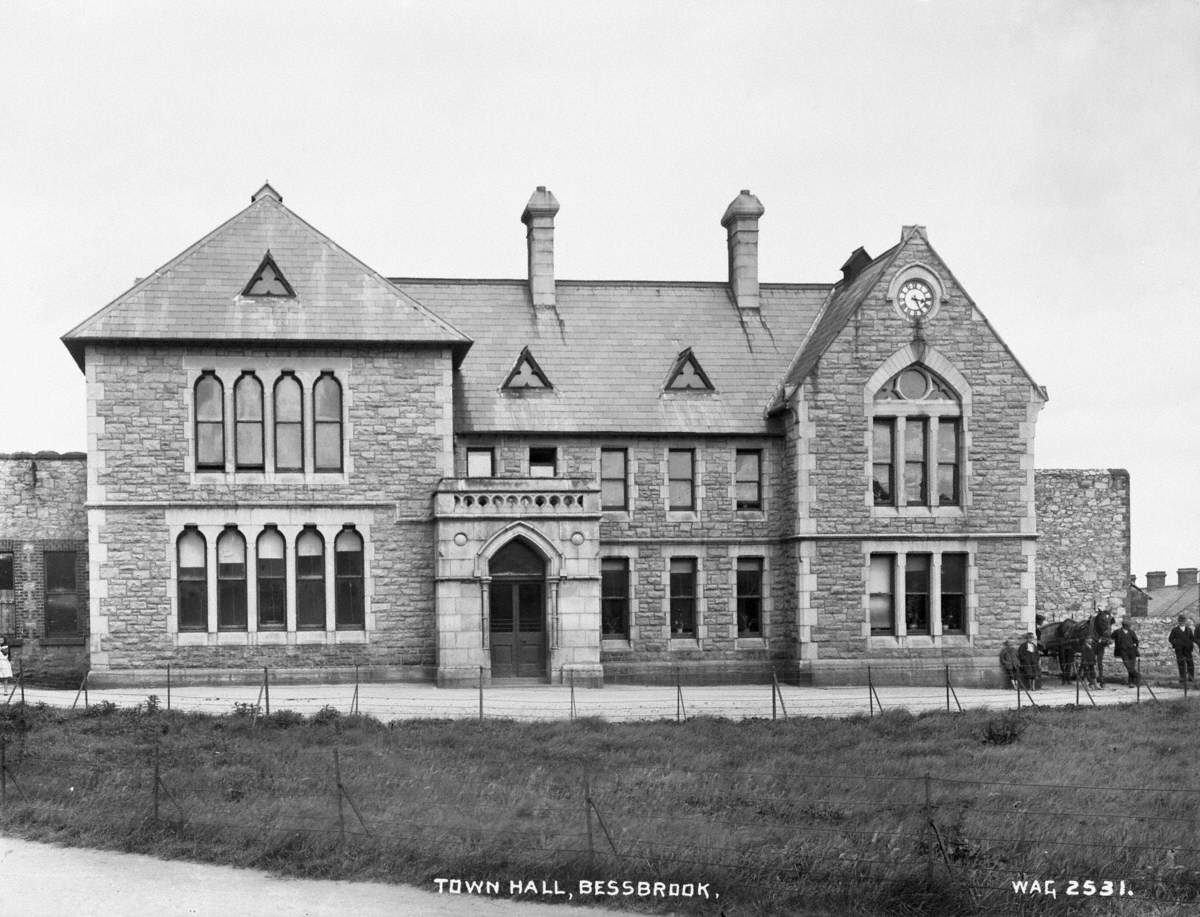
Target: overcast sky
x: 1051, y: 148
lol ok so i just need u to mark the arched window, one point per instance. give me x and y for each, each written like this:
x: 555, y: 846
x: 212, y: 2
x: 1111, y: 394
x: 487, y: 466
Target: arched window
x: 916, y: 439
x: 210, y: 422
x: 348, y: 579
x: 289, y: 423
x: 248, y: 421
x: 272, y: 580
x: 191, y: 559
x: 310, y: 580
x: 327, y: 423
x: 231, y: 580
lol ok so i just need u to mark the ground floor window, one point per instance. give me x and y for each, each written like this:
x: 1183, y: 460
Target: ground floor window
x: 749, y: 596
x: 62, y: 594
x: 930, y: 588
x: 349, y: 610
x: 614, y: 597
x: 683, y: 596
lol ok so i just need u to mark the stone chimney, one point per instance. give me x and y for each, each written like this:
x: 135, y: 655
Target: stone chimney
x: 539, y: 218
x: 741, y: 225
x: 1187, y: 576
x: 1156, y: 579
x: 854, y: 264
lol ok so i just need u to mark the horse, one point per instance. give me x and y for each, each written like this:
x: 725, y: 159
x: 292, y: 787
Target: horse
x: 1064, y: 639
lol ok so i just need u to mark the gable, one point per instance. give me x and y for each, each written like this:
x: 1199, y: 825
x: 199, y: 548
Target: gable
x: 223, y: 288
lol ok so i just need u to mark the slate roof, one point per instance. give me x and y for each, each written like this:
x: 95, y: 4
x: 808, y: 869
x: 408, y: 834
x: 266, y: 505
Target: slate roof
x: 197, y: 296
x: 1170, y: 601
x: 608, y: 348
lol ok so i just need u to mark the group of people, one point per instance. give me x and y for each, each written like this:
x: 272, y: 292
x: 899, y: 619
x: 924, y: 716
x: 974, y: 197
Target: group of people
x: 1022, y: 664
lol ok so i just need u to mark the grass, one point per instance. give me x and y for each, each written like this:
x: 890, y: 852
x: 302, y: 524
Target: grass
x: 935, y: 814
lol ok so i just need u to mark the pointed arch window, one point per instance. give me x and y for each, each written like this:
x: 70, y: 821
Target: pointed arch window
x: 209, y: 406
x: 310, y: 580
x: 348, y: 580
x: 191, y: 560
x: 272, y: 582
x: 327, y: 422
x: 231, y: 580
x: 916, y: 441
x: 289, y: 422
x: 248, y: 422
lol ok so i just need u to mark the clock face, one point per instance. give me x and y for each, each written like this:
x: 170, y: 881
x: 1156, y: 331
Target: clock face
x: 916, y: 298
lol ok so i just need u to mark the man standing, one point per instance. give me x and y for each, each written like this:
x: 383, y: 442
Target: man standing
x: 1125, y: 647
x: 1183, y: 641
x: 1102, y: 628
x: 1030, y: 662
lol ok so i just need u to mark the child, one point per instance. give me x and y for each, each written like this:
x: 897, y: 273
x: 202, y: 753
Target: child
x: 6, y: 672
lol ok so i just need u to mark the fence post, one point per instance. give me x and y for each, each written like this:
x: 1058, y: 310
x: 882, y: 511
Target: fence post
x: 679, y: 711
x: 86, y: 705
x: 587, y: 814
x: 267, y: 690
x: 3, y: 771
x: 337, y: 776
x: 572, y: 694
x: 1078, y: 662
x: 929, y: 821
x: 774, y: 691
x: 947, y: 689
x: 354, y: 700
x: 157, y: 779
x: 870, y: 692
x: 21, y: 680
x: 168, y: 687
x: 481, y: 694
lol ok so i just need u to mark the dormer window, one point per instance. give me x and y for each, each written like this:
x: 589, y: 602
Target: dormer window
x: 686, y: 375
x: 526, y: 375
x: 268, y: 281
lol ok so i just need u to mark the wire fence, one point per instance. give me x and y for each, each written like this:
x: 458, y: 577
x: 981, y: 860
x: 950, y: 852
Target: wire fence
x: 732, y: 829
x: 750, y: 692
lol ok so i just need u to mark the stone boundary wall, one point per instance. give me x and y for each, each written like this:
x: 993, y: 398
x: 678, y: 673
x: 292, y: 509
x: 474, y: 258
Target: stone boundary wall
x: 1083, y: 545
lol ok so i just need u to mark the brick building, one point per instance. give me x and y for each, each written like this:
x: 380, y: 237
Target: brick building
x: 294, y: 461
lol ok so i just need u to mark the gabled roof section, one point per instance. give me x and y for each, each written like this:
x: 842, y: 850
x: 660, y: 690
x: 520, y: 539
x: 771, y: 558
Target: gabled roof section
x: 268, y: 280
x: 202, y: 293
x: 848, y: 296
x: 526, y: 375
x: 686, y: 374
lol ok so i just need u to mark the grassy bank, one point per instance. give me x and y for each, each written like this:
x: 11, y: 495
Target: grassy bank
x: 935, y: 814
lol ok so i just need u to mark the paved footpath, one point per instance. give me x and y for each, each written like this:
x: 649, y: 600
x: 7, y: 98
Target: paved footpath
x: 616, y: 703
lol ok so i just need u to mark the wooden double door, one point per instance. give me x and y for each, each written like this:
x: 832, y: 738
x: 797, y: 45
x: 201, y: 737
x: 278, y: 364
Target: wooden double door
x: 518, y: 628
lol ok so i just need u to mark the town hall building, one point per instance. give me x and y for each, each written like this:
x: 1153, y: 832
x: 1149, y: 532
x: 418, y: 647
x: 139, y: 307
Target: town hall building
x: 294, y: 461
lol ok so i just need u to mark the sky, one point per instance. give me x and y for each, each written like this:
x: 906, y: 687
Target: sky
x: 1051, y: 148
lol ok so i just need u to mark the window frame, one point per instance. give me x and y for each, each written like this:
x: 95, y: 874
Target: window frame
x: 349, y: 587
x: 617, y: 568
x: 287, y: 377
x: 325, y: 378
x: 541, y: 463
x: 248, y: 378
x: 217, y: 424
x: 476, y: 451
x: 623, y: 480
x: 276, y: 580
x: 61, y: 595
x: 184, y: 611
x: 684, y: 603
x: 757, y: 504
x: 8, y: 571
x: 690, y: 480
x: 232, y: 599
x: 900, y: 563
x: 309, y: 578
x: 754, y: 567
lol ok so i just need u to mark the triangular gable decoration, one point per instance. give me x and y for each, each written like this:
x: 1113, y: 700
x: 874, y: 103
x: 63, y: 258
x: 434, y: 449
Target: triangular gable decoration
x: 526, y: 374
x: 686, y: 375
x: 268, y: 280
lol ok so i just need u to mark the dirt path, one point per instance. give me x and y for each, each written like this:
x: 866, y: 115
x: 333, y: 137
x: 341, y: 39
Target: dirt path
x: 45, y: 880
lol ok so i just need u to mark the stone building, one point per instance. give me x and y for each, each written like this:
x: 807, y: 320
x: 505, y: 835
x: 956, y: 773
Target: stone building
x: 294, y: 461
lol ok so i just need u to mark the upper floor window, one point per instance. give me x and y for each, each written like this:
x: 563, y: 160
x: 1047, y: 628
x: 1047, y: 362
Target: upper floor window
x: 748, y: 479
x: 289, y: 423
x: 613, y: 488
x: 248, y: 422
x: 191, y: 552
x: 480, y: 462
x: 916, y: 437
x: 327, y: 423
x: 543, y: 461
x: 681, y: 479
x: 6, y: 571
x: 210, y: 422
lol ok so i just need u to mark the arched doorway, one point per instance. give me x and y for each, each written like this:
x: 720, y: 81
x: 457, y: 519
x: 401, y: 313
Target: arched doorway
x: 517, y: 607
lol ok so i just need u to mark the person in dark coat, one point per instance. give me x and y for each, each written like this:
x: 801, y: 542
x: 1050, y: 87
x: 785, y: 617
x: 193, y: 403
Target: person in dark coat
x: 1029, y: 661
x: 1183, y: 642
x: 1102, y: 628
x: 1087, y: 661
x: 1125, y: 647
x: 1010, y: 663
